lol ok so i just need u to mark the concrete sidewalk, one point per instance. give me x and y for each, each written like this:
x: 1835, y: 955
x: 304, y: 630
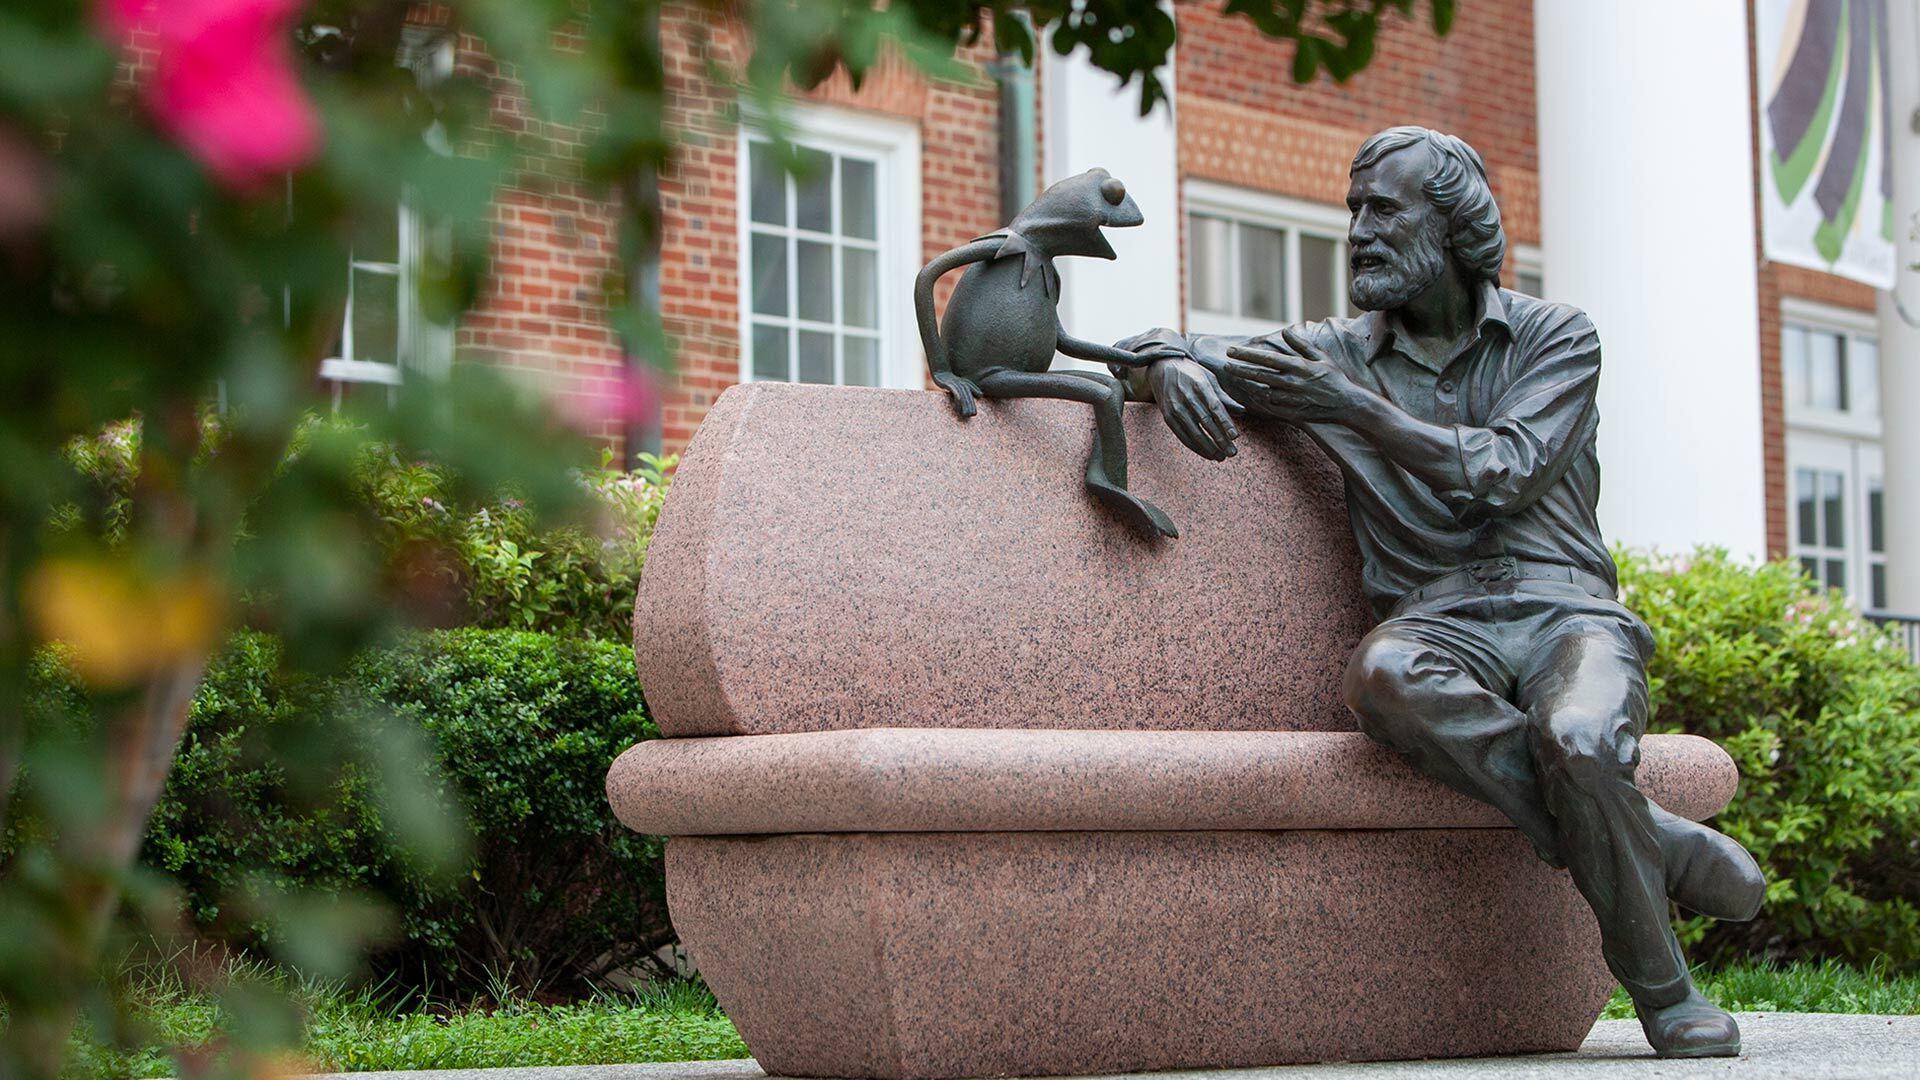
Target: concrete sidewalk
x: 1811, y: 1045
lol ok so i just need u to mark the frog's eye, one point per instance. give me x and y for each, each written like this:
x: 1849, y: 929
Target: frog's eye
x: 1112, y: 190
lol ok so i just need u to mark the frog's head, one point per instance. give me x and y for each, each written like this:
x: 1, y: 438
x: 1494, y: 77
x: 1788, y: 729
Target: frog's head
x: 1067, y: 218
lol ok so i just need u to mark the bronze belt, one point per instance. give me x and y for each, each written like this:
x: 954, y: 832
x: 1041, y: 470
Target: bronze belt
x: 1504, y: 568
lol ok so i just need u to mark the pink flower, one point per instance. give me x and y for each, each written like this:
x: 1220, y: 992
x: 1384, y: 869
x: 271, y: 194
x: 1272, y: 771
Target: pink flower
x: 632, y: 395
x: 223, y: 82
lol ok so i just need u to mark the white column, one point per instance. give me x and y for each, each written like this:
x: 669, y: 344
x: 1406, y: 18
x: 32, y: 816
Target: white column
x: 1899, y: 312
x: 1647, y: 223
x: 1087, y: 121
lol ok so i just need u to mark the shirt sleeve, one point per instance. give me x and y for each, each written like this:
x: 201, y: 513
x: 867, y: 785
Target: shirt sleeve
x: 1209, y: 350
x: 1539, y: 425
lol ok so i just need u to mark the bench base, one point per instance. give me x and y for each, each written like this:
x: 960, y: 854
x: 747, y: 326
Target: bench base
x: 907, y: 955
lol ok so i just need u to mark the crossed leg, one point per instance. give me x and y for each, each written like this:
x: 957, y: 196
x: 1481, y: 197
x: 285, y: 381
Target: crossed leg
x: 1559, y: 760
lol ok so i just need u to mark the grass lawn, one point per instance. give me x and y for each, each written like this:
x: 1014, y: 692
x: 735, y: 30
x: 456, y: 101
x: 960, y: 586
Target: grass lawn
x: 355, y: 1031
x: 1827, y: 988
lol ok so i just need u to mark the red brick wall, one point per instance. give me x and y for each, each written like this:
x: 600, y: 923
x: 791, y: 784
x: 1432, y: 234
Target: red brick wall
x: 553, y: 249
x: 1244, y: 121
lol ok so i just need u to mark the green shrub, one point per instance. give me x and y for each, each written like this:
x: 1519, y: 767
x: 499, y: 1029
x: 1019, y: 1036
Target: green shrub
x: 455, y: 560
x: 550, y: 891
x: 494, y: 564
x: 1821, y: 711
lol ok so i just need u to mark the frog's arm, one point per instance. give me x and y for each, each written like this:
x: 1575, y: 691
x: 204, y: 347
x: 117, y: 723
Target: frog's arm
x: 980, y: 250
x: 1100, y: 354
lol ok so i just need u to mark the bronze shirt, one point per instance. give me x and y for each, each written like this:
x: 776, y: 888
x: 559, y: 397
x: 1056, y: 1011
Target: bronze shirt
x: 1519, y: 395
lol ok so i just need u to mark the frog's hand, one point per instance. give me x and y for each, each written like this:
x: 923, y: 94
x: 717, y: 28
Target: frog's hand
x: 977, y: 251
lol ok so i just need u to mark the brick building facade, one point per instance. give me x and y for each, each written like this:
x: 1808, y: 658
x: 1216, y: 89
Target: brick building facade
x: 765, y: 276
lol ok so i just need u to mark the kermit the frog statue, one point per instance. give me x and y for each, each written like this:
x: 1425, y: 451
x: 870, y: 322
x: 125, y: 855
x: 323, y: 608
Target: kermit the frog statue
x: 1002, y: 325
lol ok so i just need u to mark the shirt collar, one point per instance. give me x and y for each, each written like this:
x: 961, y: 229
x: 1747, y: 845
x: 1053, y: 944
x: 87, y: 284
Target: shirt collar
x: 1380, y: 327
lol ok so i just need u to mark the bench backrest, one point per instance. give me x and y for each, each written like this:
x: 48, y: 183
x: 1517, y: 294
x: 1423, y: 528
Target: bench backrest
x: 837, y: 557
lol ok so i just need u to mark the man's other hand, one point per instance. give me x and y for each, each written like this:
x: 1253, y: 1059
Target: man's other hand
x: 1301, y: 385
x: 1195, y: 407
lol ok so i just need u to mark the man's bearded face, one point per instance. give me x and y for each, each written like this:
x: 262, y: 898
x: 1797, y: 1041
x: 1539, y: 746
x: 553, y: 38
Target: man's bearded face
x: 1396, y: 242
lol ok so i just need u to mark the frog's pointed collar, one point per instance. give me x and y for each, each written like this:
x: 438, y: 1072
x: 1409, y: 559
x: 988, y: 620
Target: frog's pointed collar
x: 1014, y: 243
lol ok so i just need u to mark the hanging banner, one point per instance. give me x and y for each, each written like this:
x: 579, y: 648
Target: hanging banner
x: 1826, y: 170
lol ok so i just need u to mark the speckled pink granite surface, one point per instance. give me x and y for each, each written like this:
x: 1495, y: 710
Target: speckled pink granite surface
x: 1036, y: 954
x: 943, y: 780
x: 1007, y: 790
x: 835, y: 557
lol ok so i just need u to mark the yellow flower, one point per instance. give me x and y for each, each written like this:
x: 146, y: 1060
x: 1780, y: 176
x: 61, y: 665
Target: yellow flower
x: 119, y: 624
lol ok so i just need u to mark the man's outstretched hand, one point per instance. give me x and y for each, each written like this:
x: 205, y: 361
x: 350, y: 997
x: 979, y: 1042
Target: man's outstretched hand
x: 1190, y: 398
x: 1302, y: 386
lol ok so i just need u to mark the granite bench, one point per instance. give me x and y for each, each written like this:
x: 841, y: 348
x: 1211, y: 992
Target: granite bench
x: 963, y: 778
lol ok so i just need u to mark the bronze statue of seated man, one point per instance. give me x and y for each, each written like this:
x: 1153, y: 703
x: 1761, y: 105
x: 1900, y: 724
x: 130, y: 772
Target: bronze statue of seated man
x: 1462, y: 417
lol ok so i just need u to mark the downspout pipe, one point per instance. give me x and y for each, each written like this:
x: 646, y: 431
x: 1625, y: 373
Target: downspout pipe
x: 1018, y: 131
x: 643, y: 433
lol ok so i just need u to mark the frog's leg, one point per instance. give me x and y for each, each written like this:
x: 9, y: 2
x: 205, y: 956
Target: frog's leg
x: 1107, y: 467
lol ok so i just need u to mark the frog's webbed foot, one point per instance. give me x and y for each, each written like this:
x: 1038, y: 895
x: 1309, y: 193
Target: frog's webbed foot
x: 963, y: 391
x: 1144, y: 516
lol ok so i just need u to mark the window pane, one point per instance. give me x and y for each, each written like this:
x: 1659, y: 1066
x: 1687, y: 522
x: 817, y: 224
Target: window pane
x: 1863, y: 378
x: 377, y: 240
x: 815, y: 281
x: 859, y: 210
x: 813, y: 191
x: 1811, y: 568
x: 1529, y: 282
x: 1827, y: 386
x: 816, y: 357
x: 1804, y: 497
x: 1263, y: 273
x: 769, y: 274
x: 376, y: 316
x: 860, y: 360
x: 1833, y: 502
x: 1837, y: 574
x: 768, y: 185
x: 1212, y: 274
x: 860, y: 287
x: 1877, y: 587
x: 1876, y: 521
x: 1793, y: 363
x: 770, y: 353
x: 1316, y: 278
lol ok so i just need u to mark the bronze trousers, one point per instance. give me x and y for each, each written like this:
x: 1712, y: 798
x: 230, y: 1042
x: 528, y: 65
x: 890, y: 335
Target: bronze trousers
x: 1532, y: 696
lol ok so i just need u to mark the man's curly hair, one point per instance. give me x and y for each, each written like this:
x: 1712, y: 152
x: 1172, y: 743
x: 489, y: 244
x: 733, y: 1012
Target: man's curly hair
x: 1458, y: 188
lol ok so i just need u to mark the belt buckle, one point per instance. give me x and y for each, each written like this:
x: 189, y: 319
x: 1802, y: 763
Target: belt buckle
x: 1505, y: 568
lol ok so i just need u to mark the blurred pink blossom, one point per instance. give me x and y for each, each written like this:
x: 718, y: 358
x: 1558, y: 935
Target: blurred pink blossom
x: 632, y: 395
x: 223, y: 82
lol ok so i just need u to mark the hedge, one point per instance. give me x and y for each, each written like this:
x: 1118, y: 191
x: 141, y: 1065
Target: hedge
x: 1821, y: 711
x: 550, y: 893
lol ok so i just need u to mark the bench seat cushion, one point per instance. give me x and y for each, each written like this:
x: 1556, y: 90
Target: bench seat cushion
x: 967, y: 780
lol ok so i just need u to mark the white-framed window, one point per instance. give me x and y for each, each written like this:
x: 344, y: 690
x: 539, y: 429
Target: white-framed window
x: 1830, y: 375
x: 1830, y: 368
x: 828, y: 254
x: 1257, y: 261
x: 1529, y: 273
x: 383, y: 333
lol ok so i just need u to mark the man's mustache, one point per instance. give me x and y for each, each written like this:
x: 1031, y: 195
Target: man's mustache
x: 1372, y: 251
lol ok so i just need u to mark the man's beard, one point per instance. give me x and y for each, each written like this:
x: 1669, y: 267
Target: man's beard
x: 1402, y: 277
